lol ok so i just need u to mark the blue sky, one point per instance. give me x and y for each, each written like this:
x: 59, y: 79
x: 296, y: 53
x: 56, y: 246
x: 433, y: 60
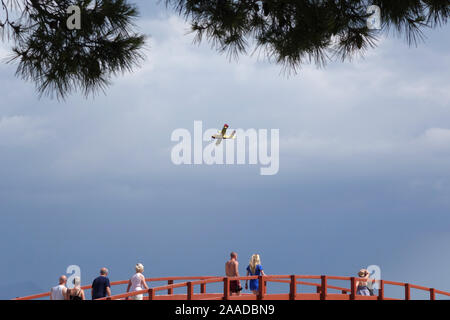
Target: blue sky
x: 364, y: 167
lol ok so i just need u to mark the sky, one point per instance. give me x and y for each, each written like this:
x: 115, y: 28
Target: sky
x: 364, y: 173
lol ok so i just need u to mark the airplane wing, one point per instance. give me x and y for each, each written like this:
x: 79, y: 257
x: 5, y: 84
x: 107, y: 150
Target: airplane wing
x: 218, y: 135
x: 221, y: 135
x: 232, y: 136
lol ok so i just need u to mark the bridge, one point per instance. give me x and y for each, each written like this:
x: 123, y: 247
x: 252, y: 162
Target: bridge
x: 299, y: 287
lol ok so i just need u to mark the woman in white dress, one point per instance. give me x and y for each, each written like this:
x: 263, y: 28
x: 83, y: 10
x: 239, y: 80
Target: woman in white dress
x: 137, y: 282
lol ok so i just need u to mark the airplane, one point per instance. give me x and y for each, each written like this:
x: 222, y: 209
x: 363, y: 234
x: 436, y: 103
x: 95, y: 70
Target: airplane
x: 221, y: 135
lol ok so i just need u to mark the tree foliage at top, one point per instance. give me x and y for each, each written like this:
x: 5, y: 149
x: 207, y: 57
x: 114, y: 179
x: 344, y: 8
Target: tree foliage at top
x: 59, y: 60
x: 290, y: 32
x: 293, y: 32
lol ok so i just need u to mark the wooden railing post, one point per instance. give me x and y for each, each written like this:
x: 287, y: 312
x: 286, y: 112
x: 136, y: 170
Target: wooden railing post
x: 381, y: 290
x: 432, y: 294
x: 352, y: 288
x: 190, y: 290
x: 262, y: 287
x: 170, y: 290
x: 226, y: 288
x: 407, y: 291
x: 293, y: 288
x: 151, y: 294
x: 323, y: 288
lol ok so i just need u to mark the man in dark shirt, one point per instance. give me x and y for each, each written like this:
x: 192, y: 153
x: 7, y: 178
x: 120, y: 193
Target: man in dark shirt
x: 100, y: 286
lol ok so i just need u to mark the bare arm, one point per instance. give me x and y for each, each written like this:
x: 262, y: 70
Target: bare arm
x: 236, y: 269
x: 144, y: 284
x: 108, y: 291
x: 82, y: 295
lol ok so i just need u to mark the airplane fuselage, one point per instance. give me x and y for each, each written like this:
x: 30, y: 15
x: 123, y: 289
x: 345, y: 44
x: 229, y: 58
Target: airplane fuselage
x: 221, y: 135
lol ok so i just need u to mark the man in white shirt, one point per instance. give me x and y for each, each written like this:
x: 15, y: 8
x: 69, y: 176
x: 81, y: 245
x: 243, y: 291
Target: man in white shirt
x: 59, y: 292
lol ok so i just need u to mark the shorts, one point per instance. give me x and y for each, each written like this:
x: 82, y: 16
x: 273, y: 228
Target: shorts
x: 235, y: 286
x: 137, y: 297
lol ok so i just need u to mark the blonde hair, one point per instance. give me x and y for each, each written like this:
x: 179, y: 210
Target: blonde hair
x: 254, y: 261
x: 139, y: 267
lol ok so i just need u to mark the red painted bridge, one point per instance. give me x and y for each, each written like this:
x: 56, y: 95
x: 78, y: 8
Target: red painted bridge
x: 301, y: 287
x: 298, y: 287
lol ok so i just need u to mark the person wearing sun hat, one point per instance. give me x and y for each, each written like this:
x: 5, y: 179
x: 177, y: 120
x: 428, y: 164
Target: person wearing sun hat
x: 362, y: 288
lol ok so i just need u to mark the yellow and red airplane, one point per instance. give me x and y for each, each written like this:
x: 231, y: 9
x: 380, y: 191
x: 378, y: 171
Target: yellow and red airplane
x: 221, y: 135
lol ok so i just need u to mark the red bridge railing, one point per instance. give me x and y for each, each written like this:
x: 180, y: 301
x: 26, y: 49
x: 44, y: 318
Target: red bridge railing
x: 322, y: 290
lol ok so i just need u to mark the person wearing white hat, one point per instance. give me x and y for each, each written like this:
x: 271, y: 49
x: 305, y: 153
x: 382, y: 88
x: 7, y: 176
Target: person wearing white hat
x: 362, y: 288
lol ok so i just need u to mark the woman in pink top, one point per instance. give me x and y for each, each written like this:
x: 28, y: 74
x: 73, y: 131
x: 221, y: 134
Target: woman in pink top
x: 137, y: 282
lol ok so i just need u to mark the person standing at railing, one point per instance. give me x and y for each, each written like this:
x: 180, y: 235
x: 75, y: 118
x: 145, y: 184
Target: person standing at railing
x: 76, y: 293
x: 232, y: 270
x: 101, y: 286
x: 254, y: 269
x: 59, y: 292
x: 137, y: 282
x: 362, y: 287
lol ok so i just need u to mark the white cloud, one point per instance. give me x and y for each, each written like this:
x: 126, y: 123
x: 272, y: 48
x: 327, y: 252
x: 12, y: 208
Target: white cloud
x: 386, y: 118
x: 352, y: 111
x: 4, y: 53
x: 436, y: 137
x: 21, y: 130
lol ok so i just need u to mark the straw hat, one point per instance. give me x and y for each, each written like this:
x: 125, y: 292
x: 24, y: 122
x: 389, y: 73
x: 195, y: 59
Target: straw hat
x: 363, y: 273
